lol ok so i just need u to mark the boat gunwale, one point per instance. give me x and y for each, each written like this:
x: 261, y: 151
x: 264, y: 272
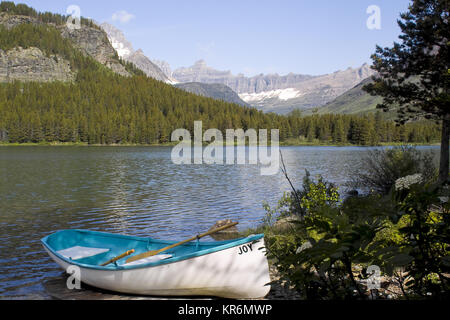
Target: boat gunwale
x: 218, y: 246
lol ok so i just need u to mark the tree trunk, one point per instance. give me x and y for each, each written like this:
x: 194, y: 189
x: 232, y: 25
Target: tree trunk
x: 444, y: 161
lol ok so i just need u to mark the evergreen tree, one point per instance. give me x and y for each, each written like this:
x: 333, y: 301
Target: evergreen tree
x: 101, y: 107
x: 339, y: 133
x: 311, y: 133
x: 414, y: 75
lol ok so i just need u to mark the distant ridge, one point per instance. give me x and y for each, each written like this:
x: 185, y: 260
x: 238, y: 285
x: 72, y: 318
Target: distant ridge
x: 275, y: 93
x: 216, y: 91
x: 353, y: 101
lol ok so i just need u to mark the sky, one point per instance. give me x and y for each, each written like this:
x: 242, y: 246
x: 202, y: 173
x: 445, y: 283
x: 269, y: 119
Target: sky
x: 249, y: 36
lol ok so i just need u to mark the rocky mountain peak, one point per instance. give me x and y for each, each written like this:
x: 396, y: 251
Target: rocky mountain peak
x: 94, y: 42
x: 125, y: 50
x: 117, y: 39
x: 89, y: 40
x: 165, y: 67
x: 200, y: 64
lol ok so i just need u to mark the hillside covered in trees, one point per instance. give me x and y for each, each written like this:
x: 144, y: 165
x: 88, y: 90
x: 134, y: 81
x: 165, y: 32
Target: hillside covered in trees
x: 101, y: 107
x: 21, y: 9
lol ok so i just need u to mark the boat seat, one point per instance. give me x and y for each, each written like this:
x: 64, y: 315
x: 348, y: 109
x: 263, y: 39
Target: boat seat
x: 156, y: 258
x: 77, y: 252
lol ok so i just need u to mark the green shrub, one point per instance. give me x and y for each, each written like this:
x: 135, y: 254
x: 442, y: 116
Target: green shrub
x: 319, y: 254
x: 384, y: 166
x: 423, y: 244
x: 326, y: 253
x: 313, y: 196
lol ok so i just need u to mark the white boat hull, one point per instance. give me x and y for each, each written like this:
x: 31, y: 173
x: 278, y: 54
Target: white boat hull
x: 237, y: 272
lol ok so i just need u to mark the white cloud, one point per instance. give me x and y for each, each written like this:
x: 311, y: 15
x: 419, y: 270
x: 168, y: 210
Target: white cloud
x: 122, y: 16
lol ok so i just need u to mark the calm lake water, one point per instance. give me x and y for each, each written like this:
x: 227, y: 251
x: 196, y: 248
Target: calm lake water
x: 136, y: 191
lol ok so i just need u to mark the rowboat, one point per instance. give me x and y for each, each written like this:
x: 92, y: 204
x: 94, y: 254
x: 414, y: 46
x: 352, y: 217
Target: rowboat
x: 236, y: 269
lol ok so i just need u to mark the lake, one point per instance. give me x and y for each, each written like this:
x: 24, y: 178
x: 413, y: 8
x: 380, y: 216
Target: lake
x: 136, y: 191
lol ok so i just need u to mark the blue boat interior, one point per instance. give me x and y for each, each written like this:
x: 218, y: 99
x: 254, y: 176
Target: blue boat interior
x: 110, y: 246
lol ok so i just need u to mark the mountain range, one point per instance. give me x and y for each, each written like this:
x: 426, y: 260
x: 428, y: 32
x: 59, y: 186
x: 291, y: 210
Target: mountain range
x: 275, y: 93
x: 161, y: 70
x: 339, y: 92
x: 60, y: 84
x: 69, y: 85
x: 269, y: 93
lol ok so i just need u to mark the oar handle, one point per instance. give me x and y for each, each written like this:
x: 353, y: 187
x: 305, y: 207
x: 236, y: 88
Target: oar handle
x: 155, y: 252
x: 123, y: 255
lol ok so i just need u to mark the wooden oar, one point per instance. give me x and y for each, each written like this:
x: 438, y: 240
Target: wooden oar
x: 123, y: 255
x: 155, y: 252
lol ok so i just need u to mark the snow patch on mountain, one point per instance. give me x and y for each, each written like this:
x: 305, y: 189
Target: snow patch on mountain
x: 122, y: 51
x: 125, y: 51
x: 280, y: 94
x: 117, y: 39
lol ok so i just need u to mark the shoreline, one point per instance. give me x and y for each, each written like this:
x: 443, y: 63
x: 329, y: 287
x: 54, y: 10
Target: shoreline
x: 172, y: 144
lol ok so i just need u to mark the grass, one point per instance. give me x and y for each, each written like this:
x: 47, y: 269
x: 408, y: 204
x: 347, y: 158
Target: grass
x: 82, y: 144
x: 301, y: 141
x: 399, y: 144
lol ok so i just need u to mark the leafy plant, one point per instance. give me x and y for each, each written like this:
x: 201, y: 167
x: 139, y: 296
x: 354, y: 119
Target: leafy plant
x: 326, y: 253
x: 318, y: 257
x: 385, y: 166
x: 313, y: 196
x: 423, y: 251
